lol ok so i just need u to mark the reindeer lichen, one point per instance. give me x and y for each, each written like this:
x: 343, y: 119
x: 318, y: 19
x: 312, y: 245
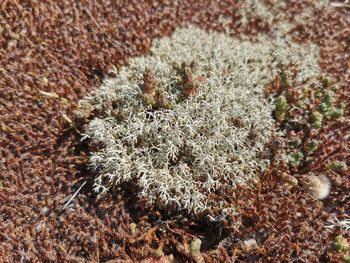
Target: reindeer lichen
x: 195, y: 116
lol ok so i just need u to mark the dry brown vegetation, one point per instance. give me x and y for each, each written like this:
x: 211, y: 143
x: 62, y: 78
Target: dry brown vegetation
x: 51, y: 54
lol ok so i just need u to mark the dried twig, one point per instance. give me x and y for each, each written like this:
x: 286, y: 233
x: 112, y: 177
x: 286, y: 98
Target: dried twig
x: 74, y: 195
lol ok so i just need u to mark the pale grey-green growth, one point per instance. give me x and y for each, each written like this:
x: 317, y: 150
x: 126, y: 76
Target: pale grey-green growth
x: 274, y: 17
x: 318, y: 186
x: 212, y: 139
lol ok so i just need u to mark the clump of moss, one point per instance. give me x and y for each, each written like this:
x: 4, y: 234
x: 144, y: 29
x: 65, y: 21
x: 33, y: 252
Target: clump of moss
x: 281, y: 108
x: 299, y: 108
x: 343, y: 246
x: 316, y: 119
x: 311, y: 146
x: 336, y: 113
x: 327, y: 102
x: 296, y: 159
x: 328, y: 108
x: 338, y: 166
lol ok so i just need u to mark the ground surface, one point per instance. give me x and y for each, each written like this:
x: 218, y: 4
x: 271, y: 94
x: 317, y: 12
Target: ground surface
x: 52, y: 53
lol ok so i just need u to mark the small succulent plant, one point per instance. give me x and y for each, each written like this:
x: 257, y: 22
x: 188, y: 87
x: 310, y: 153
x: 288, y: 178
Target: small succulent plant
x: 316, y: 119
x: 328, y: 109
x: 336, y: 113
x: 338, y: 166
x: 327, y: 102
x: 343, y: 246
x: 296, y: 159
x: 311, y: 146
x: 281, y: 108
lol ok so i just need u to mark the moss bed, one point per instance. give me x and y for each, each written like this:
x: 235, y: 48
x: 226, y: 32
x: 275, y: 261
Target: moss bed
x: 52, y: 54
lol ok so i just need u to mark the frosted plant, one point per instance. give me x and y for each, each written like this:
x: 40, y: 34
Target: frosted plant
x: 270, y: 12
x: 335, y: 222
x: 274, y: 17
x: 191, y: 117
x: 256, y: 7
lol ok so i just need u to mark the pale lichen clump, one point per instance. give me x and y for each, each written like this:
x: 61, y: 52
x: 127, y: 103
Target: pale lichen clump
x: 273, y: 11
x: 317, y: 186
x: 191, y: 117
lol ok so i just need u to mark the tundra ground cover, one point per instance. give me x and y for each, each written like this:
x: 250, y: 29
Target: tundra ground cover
x: 169, y: 121
x: 53, y: 53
